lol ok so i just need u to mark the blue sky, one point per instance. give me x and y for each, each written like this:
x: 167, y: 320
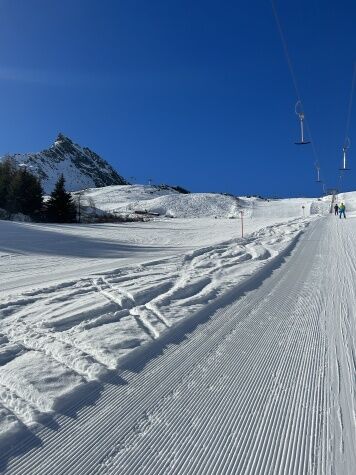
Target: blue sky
x: 188, y: 92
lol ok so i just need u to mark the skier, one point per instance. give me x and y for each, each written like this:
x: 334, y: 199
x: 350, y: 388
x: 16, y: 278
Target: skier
x: 342, y: 210
x: 336, y: 208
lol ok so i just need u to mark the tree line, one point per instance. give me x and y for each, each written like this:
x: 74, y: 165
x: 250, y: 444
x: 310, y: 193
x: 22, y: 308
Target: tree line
x: 21, y: 192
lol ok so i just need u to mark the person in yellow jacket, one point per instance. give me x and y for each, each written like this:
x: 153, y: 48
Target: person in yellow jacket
x: 342, y: 210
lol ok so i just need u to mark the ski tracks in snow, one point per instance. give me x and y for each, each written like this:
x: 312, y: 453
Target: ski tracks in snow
x: 80, y: 330
x: 267, y: 385
x: 248, y: 406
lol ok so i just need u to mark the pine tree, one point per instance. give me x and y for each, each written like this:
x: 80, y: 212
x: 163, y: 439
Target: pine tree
x: 60, y: 207
x: 26, y: 194
x: 7, y: 174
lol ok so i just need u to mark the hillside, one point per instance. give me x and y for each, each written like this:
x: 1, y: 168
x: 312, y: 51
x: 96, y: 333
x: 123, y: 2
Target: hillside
x: 169, y: 203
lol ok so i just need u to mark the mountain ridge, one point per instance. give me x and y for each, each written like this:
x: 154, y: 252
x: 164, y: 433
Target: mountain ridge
x: 82, y: 168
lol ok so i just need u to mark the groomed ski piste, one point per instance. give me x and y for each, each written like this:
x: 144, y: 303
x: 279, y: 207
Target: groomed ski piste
x: 176, y: 346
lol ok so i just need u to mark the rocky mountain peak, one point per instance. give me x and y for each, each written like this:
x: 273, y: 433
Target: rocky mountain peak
x: 62, y: 139
x: 81, y: 167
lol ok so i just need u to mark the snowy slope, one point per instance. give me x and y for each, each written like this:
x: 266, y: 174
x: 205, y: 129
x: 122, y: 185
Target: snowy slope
x: 77, y: 331
x: 349, y: 199
x: 165, y: 202
x: 78, y: 302
x: 81, y: 167
x: 288, y: 207
x: 126, y: 199
x: 260, y: 381
x: 207, y: 258
x: 115, y: 198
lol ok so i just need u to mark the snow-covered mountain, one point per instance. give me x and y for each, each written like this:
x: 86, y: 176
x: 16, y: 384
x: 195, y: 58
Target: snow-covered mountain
x: 81, y: 167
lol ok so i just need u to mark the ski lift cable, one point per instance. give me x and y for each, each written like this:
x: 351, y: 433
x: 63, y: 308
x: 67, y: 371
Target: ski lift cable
x: 314, y: 150
x: 348, y: 121
x: 347, y: 142
x: 293, y: 76
x: 285, y: 49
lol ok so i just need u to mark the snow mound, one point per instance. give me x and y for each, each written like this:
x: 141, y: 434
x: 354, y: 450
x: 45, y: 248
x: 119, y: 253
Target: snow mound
x: 194, y: 205
x: 40, y: 384
x: 112, y: 198
x: 164, y: 202
x: 169, y: 203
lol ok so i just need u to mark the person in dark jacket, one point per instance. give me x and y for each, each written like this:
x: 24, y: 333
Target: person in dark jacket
x: 336, y: 208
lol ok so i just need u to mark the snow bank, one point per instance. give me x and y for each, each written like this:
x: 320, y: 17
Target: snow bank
x: 40, y: 384
x: 194, y: 205
x: 10, y: 425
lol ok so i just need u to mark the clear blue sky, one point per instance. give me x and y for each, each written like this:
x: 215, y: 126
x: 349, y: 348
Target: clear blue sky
x: 188, y: 92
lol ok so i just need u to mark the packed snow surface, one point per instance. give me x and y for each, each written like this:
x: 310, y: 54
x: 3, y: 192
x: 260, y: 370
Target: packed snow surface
x: 176, y: 345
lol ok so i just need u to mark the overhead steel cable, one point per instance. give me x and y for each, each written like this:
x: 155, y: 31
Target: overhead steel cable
x: 315, y: 153
x: 294, y: 80
x: 286, y: 51
x: 349, y: 110
x: 347, y: 141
